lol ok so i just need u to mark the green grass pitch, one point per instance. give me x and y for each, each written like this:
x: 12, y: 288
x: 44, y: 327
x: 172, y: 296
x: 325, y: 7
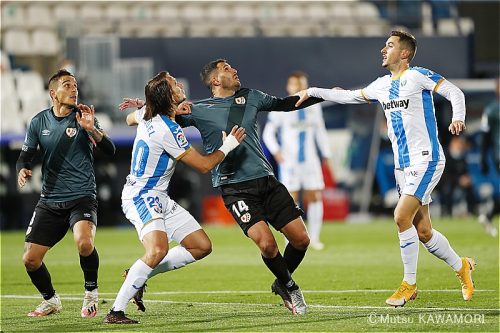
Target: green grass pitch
x: 345, y: 285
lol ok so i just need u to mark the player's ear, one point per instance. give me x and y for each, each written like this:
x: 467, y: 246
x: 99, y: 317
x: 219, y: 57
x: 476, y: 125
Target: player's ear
x: 215, y: 82
x: 405, y: 54
x: 52, y: 94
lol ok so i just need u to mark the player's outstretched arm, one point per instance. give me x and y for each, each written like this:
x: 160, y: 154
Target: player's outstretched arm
x: 336, y: 95
x: 205, y: 163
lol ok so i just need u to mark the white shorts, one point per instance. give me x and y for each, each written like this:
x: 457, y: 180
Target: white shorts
x: 305, y: 176
x: 419, y: 180
x: 156, y: 211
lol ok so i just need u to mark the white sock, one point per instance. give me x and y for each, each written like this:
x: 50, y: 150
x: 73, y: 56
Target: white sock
x: 136, y: 277
x: 439, y: 246
x: 315, y: 220
x: 176, y: 257
x: 408, y: 244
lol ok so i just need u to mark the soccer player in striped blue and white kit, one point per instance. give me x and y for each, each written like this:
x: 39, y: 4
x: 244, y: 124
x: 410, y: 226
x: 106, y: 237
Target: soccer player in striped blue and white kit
x: 159, y: 143
x: 301, y: 133
x: 406, y: 97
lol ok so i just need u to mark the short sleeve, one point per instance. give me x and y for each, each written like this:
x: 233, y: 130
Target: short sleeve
x: 175, y: 142
x: 139, y: 114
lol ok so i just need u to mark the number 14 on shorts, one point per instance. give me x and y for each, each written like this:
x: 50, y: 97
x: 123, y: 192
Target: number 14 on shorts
x: 240, y: 209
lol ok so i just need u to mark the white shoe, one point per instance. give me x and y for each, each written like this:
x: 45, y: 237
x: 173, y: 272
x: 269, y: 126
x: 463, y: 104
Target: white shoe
x: 90, y: 303
x: 47, y: 307
x: 318, y: 246
x: 298, y: 302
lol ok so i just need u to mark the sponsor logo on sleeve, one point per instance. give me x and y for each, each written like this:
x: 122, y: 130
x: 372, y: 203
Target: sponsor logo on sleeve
x: 181, y: 139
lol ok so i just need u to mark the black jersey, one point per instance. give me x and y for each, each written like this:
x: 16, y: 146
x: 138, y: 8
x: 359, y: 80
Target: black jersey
x: 67, y: 160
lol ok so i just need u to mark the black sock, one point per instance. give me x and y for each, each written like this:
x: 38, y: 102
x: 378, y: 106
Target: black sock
x: 277, y: 266
x: 42, y: 281
x: 90, y: 266
x: 293, y: 257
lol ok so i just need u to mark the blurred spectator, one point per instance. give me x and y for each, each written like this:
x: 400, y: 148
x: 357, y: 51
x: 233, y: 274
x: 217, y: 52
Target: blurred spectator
x: 4, y: 62
x: 456, y: 184
x: 490, y: 148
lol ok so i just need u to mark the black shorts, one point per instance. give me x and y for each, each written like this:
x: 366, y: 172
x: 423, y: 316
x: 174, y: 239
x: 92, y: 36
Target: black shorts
x: 51, y: 220
x: 261, y: 199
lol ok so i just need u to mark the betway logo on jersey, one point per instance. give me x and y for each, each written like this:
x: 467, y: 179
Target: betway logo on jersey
x: 396, y: 104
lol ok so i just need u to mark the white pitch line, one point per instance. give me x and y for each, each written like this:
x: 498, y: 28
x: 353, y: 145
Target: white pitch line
x: 196, y: 292
x: 318, y: 306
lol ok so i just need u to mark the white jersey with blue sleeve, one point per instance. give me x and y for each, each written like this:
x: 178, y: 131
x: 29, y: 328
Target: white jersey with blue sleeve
x: 409, y: 109
x: 158, y: 145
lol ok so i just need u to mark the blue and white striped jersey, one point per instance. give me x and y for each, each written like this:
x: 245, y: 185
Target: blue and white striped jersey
x: 300, y: 134
x: 158, y: 144
x: 409, y: 109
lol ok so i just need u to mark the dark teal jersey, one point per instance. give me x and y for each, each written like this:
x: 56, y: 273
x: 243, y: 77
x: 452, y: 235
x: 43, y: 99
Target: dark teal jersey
x: 213, y: 115
x: 67, y: 156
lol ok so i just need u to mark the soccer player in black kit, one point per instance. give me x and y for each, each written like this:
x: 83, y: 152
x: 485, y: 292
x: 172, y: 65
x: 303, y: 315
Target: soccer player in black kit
x: 66, y: 134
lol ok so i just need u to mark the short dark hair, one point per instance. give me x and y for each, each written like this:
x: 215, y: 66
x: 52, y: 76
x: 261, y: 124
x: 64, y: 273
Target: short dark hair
x: 298, y: 74
x: 54, y: 78
x: 407, y: 40
x: 208, y: 69
x: 159, y: 99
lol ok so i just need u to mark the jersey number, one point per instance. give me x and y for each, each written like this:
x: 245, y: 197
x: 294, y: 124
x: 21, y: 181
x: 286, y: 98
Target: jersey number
x: 154, y: 202
x: 239, y: 208
x: 140, y: 158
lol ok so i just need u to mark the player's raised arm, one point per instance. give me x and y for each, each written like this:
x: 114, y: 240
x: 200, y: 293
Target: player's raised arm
x: 131, y: 103
x: 127, y: 103
x: 205, y: 163
x: 457, y: 98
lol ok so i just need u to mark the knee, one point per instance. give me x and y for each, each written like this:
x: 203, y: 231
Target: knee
x: 203, y: 250
x: 402, y: 221
x: 31, y: 263
x: 424, y: 234
x: 302, y: 242
x: 155, y: 255
x: 268, y: 248
x: 85, y: 247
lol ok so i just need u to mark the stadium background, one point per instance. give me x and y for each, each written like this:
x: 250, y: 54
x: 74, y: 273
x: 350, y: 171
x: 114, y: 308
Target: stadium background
x: 115, y: 47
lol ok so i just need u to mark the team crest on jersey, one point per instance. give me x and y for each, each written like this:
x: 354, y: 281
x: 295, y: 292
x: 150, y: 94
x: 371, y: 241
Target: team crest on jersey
x: 181, y: 139
x: 71, y: 131
x: 403, y: 83
x: 240, y: 100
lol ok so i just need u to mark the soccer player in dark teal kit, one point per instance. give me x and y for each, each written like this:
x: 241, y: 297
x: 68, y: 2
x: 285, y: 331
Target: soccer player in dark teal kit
x: 250, y: 191
x: 66, y: 134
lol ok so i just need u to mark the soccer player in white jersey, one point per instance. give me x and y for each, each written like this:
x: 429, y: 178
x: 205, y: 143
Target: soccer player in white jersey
x: 301, y: 133
x: 158, y: 145
x: 406, y: 97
